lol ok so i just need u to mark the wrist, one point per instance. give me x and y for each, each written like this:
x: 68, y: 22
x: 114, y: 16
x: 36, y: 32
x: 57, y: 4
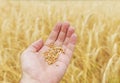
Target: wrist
x: 28, y: 79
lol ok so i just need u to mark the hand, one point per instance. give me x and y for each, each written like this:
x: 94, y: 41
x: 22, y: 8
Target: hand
x: 34, y: 67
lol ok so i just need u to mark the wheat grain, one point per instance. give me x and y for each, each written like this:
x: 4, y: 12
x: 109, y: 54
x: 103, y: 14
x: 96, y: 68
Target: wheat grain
x: 52, y: 53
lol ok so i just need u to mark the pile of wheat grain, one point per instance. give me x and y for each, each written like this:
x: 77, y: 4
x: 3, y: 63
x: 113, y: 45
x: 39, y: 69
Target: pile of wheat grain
x: 97, y: 55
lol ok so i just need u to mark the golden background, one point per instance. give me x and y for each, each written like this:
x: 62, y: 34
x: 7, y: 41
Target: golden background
x: 96, y: 57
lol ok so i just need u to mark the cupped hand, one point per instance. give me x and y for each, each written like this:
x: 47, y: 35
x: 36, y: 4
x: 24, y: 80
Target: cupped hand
x: 34, y: 67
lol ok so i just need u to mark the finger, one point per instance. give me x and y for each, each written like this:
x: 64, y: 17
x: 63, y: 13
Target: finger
x: 65, y: 58
x: 36, y: 46
x: 69, y: 33
x: 52, y: 37
x: 62, y: 34
x: 54, y: 34
x: 71, y: 45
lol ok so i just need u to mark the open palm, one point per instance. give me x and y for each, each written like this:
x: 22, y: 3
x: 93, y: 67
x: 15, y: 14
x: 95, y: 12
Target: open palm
x: 34, y: 66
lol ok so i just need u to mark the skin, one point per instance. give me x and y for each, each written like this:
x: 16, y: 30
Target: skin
x: 34, y: 67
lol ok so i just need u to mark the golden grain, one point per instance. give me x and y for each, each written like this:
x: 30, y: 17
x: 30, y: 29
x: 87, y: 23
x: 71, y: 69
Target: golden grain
x: 52, y: 53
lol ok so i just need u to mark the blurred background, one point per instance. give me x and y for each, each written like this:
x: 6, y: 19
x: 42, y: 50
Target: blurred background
x: 96, y: 57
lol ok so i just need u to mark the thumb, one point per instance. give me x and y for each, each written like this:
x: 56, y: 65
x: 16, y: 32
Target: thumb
x: 35, y: 46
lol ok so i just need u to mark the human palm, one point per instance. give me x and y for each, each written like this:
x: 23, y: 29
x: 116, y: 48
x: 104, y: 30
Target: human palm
x: 34, y: 67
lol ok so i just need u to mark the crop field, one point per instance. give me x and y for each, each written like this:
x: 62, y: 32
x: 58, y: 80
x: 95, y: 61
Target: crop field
x: 96, y: 57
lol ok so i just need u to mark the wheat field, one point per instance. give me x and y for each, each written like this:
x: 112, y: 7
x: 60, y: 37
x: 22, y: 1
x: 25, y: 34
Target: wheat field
x: 96, y: 57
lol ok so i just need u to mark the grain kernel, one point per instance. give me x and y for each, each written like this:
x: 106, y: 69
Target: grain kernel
x: 52, y: 53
